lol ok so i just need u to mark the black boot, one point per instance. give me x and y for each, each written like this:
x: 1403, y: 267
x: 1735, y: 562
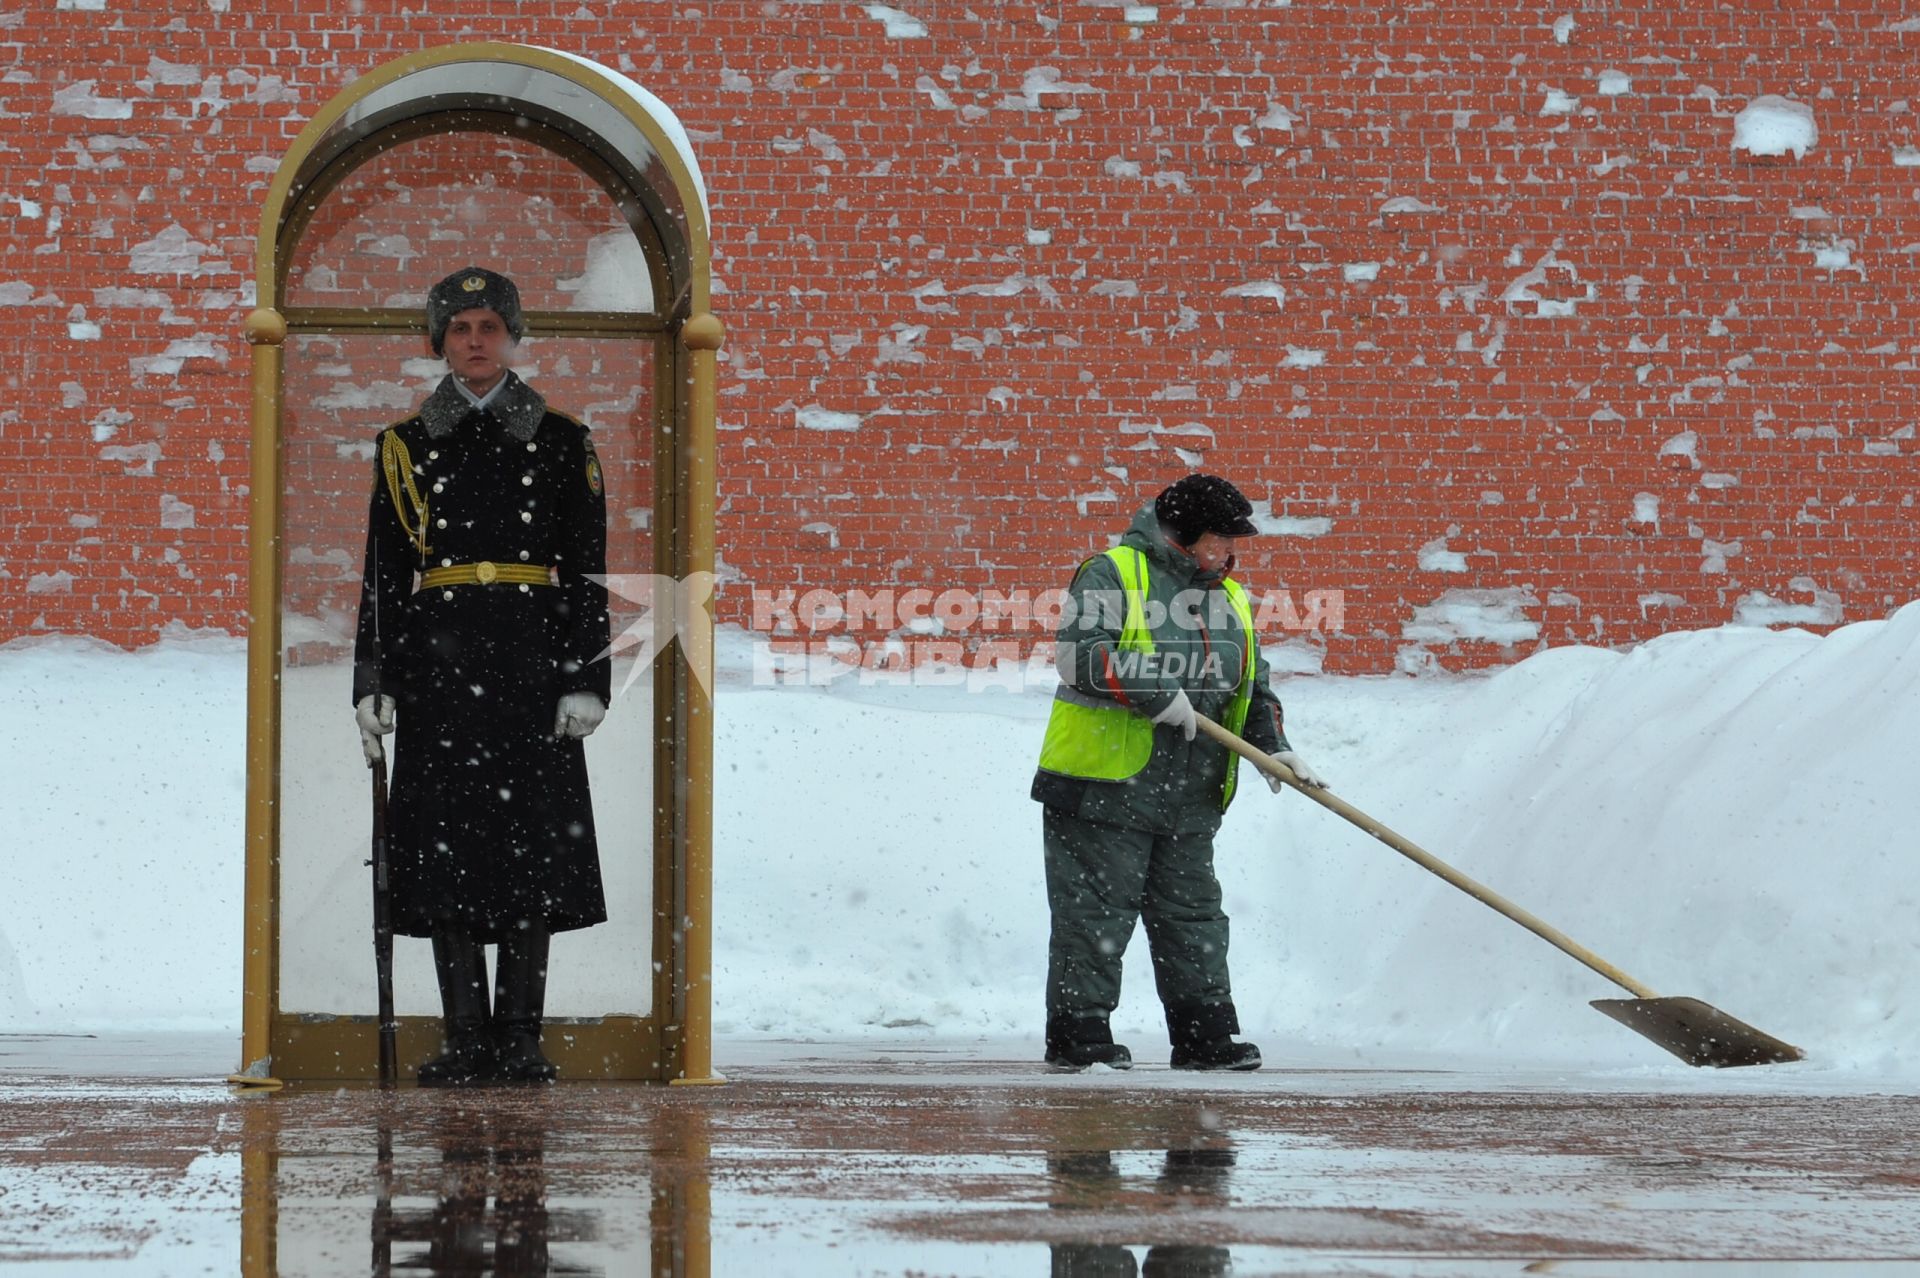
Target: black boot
x: 467, y: 1056
x: 519, y: 1005
x: 1075, y: 1043
x: 1202, y: 1037
x: 1217, y: 1053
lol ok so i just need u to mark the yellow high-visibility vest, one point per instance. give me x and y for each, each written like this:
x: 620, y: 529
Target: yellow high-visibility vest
x: 1100, y: 740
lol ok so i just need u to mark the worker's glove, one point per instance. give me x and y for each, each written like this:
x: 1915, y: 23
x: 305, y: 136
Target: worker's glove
x: 375, y: 717
x: 1300, y: 769
x: 577, y: 715
x: 1179, y: 714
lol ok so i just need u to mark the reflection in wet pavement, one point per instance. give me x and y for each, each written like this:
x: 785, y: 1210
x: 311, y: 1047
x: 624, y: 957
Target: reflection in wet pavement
x: 1089, y: 1179
x: 955, y: 1161
x: 490, y: 1211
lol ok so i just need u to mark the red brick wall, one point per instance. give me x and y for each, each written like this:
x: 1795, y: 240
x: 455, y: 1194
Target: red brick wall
x: 1022, y: 284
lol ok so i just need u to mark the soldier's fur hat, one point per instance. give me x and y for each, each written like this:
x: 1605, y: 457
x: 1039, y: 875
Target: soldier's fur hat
x: 465, y: 289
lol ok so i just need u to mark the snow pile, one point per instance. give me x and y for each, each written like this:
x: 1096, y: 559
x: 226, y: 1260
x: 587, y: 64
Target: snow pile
x: 1773, y: 125
x: 123, y: 777
x: 1726, y: 814
x: 898, y: 25
x: 614, y: 278
x: 1722, y: 813
x: 1497, y: 615
x: 1758, y: 608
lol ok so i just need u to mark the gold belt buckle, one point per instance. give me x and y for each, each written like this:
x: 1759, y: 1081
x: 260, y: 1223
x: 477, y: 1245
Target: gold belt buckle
x: 485, y: 573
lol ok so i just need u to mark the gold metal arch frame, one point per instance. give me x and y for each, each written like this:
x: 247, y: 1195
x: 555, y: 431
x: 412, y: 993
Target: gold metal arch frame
x: 620, y: 136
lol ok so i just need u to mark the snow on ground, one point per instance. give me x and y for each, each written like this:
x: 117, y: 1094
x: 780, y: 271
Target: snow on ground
x: 1727, y: 814
x: 122, y: 784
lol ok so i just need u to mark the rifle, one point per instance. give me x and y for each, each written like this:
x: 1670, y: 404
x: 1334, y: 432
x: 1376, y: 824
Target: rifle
x: 383, y: 926
x: 382, y: 897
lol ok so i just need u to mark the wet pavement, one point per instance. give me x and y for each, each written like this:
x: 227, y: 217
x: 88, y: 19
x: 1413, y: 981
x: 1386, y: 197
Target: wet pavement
x: 127, y: 1156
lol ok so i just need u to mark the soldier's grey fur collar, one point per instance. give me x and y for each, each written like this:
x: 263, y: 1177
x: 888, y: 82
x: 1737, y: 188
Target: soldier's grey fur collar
x: 518, y: 407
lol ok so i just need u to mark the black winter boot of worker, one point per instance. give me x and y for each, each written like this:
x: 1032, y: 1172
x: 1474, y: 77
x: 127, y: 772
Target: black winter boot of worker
x: 519, y: 1006
x: 1079, y: 1042
x: 467, y: 1056
x: 1202, y: 1036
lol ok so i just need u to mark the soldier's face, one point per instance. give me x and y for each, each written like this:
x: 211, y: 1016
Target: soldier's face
x: 478, y: 347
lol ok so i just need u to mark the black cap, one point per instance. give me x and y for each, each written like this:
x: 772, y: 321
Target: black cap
x: 465, y: 289
x: 1199, y: 504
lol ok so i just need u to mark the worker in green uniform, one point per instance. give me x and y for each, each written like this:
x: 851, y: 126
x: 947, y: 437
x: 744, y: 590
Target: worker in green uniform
x: 1155, y: 633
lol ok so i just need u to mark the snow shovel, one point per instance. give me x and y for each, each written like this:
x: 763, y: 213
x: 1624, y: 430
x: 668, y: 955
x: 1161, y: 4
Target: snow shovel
x: 1697, y: 1033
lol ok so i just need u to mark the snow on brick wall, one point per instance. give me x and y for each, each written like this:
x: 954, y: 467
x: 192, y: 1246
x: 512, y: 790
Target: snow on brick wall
x: 1454, y: 283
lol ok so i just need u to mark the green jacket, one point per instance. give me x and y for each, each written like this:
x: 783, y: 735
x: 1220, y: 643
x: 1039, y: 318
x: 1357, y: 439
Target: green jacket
x: 1179, y: 789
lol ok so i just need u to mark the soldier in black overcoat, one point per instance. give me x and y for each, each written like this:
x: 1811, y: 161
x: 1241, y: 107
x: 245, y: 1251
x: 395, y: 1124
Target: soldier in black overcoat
x: 482, y: 633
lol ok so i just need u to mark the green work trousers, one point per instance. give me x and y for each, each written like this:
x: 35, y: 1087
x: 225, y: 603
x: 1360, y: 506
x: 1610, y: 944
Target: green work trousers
x: 1101, y: 879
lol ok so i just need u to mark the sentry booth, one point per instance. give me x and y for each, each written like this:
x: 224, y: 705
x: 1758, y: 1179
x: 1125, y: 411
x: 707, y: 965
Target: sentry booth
x: 581, y: 186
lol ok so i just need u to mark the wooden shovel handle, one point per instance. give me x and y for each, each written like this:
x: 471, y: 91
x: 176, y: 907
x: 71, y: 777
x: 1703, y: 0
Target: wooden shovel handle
x: 1424, y: 859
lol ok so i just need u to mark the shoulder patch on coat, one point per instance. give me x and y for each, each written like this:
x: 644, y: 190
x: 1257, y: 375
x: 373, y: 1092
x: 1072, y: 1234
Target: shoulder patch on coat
x: 595, y: 483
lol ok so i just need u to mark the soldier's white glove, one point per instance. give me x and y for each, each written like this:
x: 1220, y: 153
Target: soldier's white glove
x: 1300, y: 769
x: 375, y: 721
x: 577, y: 715
x: 1179, y: 714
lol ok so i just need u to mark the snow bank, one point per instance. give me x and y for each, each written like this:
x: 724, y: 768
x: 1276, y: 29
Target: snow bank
x: 1727, y: 814
x: 1773, y: 125
x: 1721, y: 813
x: 123, y: 780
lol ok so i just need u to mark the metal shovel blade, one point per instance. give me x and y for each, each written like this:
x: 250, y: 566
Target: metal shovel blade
x: 1698, y: 1033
